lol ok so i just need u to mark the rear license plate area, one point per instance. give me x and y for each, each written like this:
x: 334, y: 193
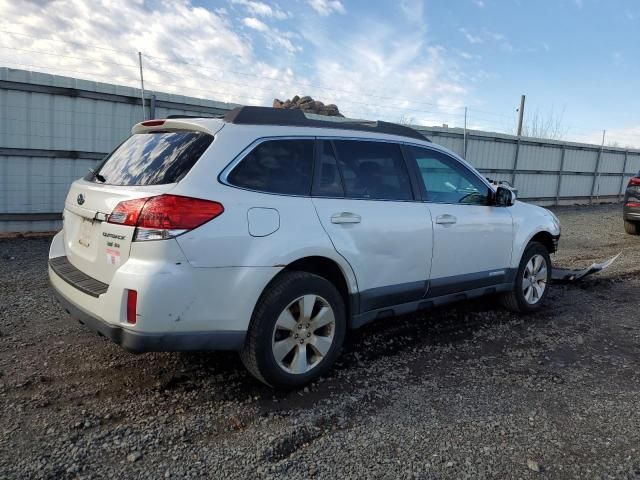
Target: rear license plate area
x: 86, y: 232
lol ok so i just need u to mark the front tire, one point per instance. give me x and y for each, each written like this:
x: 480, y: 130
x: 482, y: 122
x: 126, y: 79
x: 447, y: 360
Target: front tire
x: 632, y: 228
x: 532, y: 281
x: 296, y: 331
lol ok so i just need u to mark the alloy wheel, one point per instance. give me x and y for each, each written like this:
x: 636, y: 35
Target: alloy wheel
x: 534, y: 281
x: 303, y: 334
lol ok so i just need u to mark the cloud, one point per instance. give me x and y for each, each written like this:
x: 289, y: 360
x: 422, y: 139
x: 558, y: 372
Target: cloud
x: 327, y: 7
x: 389, y: 71
x: 274, y: 37
x: 495, y: 38
x: 186, y: 49
x: 262, y: 9
x: 468, y: 56
x: 255, y: 24
x: 474, y: 39
x: 478, y: 3
x: 413, y: 10
x: 375, y: 70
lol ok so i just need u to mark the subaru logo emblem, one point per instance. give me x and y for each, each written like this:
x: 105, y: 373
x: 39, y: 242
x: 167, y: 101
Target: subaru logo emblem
x: 80, y: 199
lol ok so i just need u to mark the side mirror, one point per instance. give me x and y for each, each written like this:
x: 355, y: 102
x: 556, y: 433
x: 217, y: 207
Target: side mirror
x: 505, y: 197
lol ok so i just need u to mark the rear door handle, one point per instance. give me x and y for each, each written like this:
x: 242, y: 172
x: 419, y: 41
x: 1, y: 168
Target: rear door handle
x: 446, y: 219
x: 345, y: 217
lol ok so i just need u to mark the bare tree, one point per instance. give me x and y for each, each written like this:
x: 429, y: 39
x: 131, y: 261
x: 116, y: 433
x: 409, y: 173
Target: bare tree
x: 541, y: 125
x: 406, y: 120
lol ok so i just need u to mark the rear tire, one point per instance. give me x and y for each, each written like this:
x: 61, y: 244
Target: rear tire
x: 296, y: 330
x: 632, y: 228
x: 532, y: 281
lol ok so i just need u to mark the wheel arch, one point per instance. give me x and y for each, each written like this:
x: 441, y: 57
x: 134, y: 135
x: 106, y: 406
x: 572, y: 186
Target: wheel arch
x: 331, y: 270
x: 546, y: 239
x: 542, y: 236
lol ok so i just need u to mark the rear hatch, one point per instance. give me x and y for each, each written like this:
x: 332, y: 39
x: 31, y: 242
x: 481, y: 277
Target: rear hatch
x: 151, y: 162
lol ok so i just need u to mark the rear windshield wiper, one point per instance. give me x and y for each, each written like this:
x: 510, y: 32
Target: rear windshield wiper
x: 97, y: 176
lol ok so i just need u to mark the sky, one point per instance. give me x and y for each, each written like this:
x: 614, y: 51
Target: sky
x: 416, y: 61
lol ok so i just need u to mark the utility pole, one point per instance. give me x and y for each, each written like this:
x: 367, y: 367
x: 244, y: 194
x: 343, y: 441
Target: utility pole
x: 464, y: 137
x: 604, y: 132
x: 521, y: 116
x: 596, y: 172
x: 144, y: 113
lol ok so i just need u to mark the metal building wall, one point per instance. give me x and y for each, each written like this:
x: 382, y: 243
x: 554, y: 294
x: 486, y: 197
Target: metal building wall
x: 53, y: 129
x: 546, y: 172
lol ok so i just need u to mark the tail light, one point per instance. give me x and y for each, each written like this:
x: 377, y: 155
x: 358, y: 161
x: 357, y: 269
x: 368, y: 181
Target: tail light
x: 164, y: 216
x: 634, y: 182
x: 132, y: 306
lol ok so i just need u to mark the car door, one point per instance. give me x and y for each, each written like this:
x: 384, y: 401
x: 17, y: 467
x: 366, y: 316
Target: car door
x: 472, y: 239
x: 365, y: 201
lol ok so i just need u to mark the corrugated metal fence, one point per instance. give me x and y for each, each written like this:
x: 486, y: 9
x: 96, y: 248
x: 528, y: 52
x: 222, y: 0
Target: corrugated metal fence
x: 53, y: 129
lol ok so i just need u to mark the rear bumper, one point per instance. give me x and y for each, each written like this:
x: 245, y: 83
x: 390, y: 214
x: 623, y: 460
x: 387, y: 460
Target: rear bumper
x: 139, y: 342
x: 179, y: 307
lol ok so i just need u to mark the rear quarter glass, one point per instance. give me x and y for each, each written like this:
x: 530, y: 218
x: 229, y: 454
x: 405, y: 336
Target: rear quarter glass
x: 155, y: 158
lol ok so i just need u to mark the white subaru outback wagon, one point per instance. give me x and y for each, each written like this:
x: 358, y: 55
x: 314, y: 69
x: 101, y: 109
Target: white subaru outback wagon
x: 271, y: 233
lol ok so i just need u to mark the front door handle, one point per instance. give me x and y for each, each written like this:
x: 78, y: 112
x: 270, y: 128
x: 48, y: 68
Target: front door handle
x: 446, y: 219
x: 345, y: 217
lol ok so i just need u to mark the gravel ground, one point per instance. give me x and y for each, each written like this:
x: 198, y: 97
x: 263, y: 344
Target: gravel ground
x: 465, y: 392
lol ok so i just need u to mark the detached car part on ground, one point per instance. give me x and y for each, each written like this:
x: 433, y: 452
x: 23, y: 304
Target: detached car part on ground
x: 631, y: 208
x: 567, y: 275
x: 272, y: 234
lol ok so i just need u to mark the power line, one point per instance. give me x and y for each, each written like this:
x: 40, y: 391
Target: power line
x: 61, y: 68
x: 304, y: 84
x: 366, y: 104
x: 271, y: 90
x: 439, y: 106
x: 55, y: 54
x: 255, y: 99
x: 495, y: 114
x: 75, y: 42
x: 482, y: 118
x: 227, y: 94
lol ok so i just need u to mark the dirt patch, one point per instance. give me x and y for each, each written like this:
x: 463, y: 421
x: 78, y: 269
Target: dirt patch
x: 470, y: 391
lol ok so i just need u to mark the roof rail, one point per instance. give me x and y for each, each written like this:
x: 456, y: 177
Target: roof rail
x: 169, y: 117
x: 250, y: 115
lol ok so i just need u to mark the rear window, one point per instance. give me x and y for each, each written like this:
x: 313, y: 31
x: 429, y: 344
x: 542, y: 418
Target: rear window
x: 276, y: 166
x: 153, y: 158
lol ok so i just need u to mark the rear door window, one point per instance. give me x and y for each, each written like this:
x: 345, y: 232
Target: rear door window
x: 373, y: 170
x: 276, y: 166
x: 154, y: 158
